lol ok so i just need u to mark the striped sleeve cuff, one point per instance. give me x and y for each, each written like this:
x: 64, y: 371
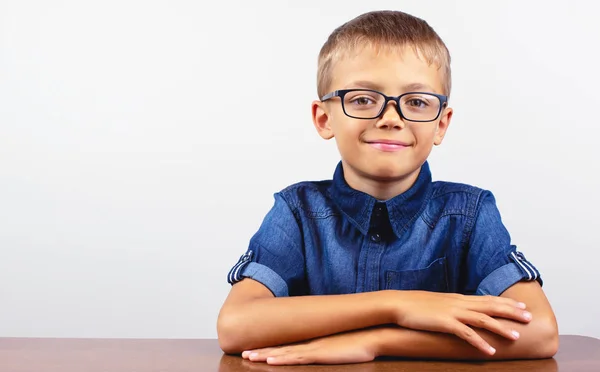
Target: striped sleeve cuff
x: 531, y: 273
x: 507, y: 275
x: 234, y: 275
x: 245, y: 268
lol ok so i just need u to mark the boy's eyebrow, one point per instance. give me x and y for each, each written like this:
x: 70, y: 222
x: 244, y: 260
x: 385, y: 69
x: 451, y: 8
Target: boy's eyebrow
x: 406, y: 88
x: 364, y: 84
x: 417, y: 87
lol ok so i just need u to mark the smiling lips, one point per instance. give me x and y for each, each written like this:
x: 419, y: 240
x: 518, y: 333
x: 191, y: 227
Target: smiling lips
x: 387, y: 145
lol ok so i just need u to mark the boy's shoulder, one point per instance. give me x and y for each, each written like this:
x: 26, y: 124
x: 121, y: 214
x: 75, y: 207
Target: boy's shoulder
x: 455, y: 198
x: 311, y: 196
x: 447, y: 189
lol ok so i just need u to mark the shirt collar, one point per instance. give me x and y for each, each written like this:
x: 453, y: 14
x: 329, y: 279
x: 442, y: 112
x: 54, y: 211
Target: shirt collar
x: 403, y: 209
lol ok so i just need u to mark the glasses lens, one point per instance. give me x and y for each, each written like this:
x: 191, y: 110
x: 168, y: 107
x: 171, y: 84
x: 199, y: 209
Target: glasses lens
x: 420, y: 106
x: 363, y: 104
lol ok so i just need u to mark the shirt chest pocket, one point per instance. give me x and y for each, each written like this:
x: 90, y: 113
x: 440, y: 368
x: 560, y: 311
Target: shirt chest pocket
x: 431, y: 278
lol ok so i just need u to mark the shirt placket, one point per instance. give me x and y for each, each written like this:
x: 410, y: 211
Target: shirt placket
x: 372, y: 252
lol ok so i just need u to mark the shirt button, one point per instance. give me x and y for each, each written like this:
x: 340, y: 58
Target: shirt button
x: 376, y: 238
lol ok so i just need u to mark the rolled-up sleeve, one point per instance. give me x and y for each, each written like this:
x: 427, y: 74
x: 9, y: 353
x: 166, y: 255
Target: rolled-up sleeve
x: 493, y: 263
x: 275, y: 256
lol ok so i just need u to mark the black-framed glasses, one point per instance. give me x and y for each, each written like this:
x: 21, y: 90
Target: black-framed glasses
x: 370, y: 104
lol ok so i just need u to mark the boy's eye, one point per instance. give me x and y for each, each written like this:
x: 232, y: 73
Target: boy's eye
x: 416, y: 102
x: 362, y: 100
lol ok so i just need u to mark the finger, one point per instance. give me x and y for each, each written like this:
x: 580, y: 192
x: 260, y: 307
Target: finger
x: 257, y: 357
x: 502, y: 311
x: 484, y: 321
x: 291, y: 358
x: 246, y: 354
x: 260, y: 355
x: 496, y: 300
x: 282, y: 351
x: 469, y: 335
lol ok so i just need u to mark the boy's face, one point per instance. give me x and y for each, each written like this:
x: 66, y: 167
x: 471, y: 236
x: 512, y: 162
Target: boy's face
x: 364, y: 158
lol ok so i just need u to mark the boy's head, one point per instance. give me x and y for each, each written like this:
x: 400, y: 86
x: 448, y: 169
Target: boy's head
x: 392, y: 53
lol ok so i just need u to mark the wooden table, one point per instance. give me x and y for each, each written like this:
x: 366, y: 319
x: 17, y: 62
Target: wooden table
x: 576, y: 353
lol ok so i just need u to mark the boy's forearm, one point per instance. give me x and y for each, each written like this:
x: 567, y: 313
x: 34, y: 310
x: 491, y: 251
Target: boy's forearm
x: 538, y: 339
x: 276, y: 321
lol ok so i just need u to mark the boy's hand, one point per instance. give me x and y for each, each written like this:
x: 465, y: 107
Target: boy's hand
x: 454, y: 313
x: 342, y: 348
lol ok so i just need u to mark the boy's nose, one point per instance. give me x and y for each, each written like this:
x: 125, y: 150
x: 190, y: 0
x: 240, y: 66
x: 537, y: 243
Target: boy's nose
x: 390, y: 118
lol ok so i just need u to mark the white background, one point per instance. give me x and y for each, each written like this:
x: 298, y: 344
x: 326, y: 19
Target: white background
x: 141, y: 143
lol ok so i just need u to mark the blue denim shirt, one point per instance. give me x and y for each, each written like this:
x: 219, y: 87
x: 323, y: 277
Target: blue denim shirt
x: 326, y: 238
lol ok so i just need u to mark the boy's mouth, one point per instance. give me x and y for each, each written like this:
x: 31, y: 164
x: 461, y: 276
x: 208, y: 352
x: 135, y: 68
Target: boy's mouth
x: 388, y: 145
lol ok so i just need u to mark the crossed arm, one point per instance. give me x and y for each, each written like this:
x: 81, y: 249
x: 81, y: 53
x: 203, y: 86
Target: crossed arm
x: 359, y: 327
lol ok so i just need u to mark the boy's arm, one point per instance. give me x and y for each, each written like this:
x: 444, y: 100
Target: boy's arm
x: 538, y: 339
x: 252, y: 318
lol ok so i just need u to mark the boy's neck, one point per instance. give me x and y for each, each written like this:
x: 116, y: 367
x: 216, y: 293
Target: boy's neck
x: 379, y: 189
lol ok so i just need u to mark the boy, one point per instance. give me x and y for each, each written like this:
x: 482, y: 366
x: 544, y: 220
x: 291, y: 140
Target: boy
x: 380, y: 260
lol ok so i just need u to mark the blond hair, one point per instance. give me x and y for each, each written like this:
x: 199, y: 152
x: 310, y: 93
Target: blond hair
x: 383, y: 30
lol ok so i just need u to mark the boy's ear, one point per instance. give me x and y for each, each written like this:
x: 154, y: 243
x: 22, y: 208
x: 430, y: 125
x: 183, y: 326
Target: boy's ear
x: 321, y: 120
x: 443, y: 124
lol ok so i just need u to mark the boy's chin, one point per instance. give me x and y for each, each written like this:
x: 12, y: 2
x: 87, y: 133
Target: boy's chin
x: 389, y: 176
x: 391, y: 173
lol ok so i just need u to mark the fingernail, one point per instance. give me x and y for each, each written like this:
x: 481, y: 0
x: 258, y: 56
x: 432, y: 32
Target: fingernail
x: 527, y: 315
x: 245, y: 353
x: 521, y: 305
x: 492, y: 350
x: 253, y: 355
x: 515, y: 334
x: 270, y: 359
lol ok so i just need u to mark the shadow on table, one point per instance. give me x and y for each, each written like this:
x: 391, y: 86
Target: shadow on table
x: 231, y: 363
